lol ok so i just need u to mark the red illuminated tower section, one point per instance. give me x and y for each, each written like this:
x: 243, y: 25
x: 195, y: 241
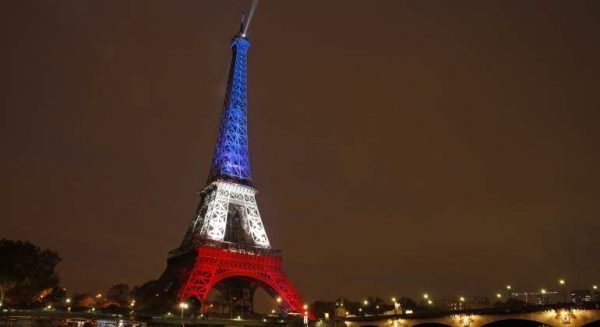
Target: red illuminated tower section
x: 226, y: 246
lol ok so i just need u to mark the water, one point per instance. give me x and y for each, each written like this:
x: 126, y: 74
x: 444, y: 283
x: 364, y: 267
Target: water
x: 26, y: 321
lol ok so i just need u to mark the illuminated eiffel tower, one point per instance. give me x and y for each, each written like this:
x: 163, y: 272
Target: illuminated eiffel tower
x: 226, y: 246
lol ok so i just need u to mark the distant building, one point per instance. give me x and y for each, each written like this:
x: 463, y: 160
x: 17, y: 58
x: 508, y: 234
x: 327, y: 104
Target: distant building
x: 464, y: 303
x: 580, y: 296
x: 340, y: 310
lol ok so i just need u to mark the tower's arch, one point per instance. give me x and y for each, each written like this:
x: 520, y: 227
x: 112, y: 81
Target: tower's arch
x: 264, y: 281
x: 214, y: 265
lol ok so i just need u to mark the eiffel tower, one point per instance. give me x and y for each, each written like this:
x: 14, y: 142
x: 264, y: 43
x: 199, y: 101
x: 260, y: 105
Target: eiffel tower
x: 226, y: 246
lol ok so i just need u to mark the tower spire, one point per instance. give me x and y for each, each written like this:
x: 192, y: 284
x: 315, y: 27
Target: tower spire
x: 242, y: 25
x: 231, y: 160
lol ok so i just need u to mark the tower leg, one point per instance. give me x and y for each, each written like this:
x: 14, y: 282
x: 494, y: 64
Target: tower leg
x: 215, y: 265
x: 200, y: 279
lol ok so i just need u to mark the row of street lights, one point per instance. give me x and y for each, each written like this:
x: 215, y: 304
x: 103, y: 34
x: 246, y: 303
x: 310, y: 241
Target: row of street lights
x: 427, y: 298
x: 184, y: 306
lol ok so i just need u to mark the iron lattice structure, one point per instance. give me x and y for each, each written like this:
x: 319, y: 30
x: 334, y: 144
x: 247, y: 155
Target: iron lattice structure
x: 223, y: 203
x: 226, y: 247
x: 263, y: 269
x: 231, y: 160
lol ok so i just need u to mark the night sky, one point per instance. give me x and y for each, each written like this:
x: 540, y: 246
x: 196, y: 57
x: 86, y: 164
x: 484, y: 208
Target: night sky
x: 398, y: 146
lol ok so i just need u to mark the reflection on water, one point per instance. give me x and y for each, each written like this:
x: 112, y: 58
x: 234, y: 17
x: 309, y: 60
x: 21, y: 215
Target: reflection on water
x: 75, y: 322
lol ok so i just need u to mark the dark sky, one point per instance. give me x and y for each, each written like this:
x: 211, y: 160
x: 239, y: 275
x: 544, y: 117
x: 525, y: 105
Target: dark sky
x: 398, y: 146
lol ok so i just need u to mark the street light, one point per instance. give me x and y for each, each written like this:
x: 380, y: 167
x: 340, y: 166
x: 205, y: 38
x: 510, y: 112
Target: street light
x: 562, y: 287
x: 544, y: 297
x: 396, y: 304
x: 498, y: 295
x: 425, y: 296
x: 365, y: 302
x: 305, y: 318
x: 183, y: 306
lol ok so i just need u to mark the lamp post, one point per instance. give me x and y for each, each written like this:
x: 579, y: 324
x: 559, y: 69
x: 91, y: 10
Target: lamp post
x: 182, y: 306
x: 278, y: 300
x: 305, y: 316
x: 231, y: 307
x: 543, y: 291
x: 562, y: 288
x: 427, y: 299
x: 396, y: 305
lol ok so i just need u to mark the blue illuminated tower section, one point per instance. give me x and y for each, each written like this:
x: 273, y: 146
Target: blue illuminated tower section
x: 231, y: 161
x: 228, y: 211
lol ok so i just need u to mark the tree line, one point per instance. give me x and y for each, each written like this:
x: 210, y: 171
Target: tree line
x: 28, y: 280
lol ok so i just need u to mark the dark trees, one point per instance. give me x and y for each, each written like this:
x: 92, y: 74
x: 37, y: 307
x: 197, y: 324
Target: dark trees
x: 26, y: 271
x: 119, y: 295
x: 151, y: 297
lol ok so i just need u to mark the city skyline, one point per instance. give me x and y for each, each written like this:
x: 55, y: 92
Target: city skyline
x: 398, y: 147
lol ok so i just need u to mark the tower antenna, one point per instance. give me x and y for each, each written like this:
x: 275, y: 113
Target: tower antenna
x: 250, y: 15
x: 243, y: 25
